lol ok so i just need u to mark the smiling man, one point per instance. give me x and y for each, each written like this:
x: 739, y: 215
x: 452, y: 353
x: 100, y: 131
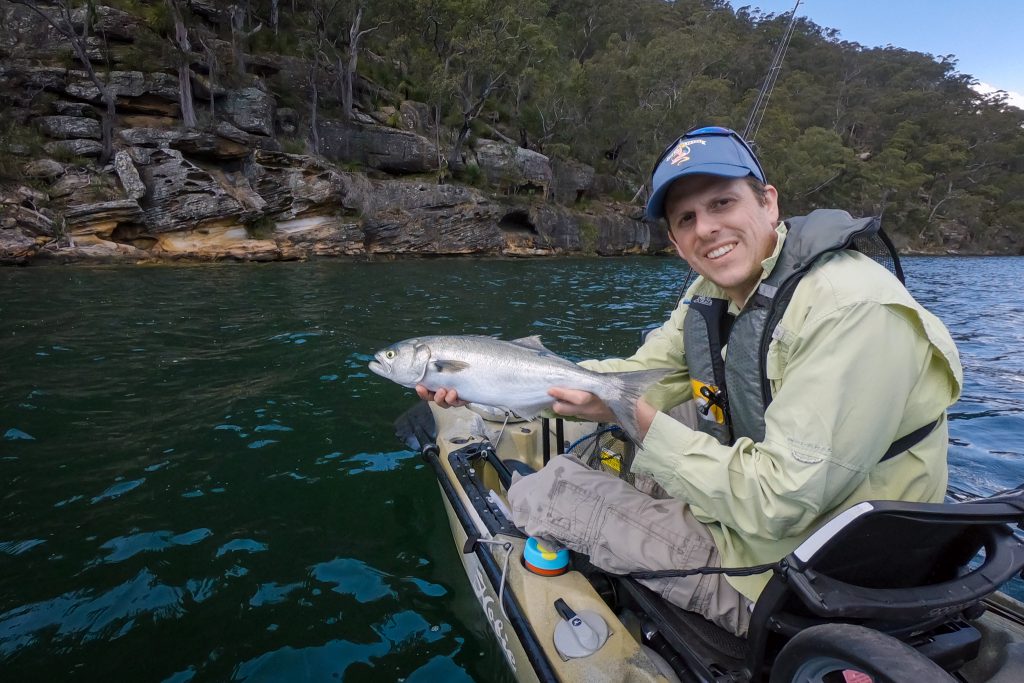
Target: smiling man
x: 819, y: 381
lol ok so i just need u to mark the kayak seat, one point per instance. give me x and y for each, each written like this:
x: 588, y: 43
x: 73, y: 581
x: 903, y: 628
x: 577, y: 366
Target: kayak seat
x: 916, y: 572
x: 518, y: 466
x: 703, y: 647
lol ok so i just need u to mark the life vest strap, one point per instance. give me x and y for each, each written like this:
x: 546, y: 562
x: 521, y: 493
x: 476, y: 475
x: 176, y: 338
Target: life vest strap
x: 910, y: 440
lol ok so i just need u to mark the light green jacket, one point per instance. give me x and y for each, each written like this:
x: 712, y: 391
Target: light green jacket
x: 855, y: 364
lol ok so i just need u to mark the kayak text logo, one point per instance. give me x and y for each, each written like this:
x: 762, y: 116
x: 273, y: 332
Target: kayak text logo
x: 497, y: 624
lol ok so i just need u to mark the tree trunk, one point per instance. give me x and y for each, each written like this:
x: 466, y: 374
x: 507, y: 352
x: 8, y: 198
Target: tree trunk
x: 455, y: 158
x: 184, y: 48
x: 348, y: 73
x: 107, y: 124
x: 314, y: 103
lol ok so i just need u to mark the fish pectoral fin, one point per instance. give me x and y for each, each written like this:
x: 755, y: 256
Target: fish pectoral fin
x: 450, y: 365
x: 531, y: 342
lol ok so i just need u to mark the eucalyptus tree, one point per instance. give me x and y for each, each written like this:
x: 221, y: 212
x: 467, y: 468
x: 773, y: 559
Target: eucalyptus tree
x: 183, y: 49
x: 62, y: 18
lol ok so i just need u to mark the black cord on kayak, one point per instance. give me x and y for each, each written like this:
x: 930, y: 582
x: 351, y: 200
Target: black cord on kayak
x: 728, y: 571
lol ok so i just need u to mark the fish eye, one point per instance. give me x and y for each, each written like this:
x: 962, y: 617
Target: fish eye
x: 389, y: 354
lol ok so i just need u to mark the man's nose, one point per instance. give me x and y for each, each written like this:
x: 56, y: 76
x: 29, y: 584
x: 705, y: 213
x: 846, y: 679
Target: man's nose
x: 705, y: 225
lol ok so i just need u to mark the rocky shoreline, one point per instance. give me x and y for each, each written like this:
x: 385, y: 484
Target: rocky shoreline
x: 227, y: 189
x: 242, y: 185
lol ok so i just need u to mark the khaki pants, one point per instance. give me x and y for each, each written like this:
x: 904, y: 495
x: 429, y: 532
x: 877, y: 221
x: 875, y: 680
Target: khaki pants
x: 623, y: 530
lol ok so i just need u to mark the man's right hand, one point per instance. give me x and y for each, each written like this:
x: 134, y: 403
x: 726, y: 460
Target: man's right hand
x: 445, y: 398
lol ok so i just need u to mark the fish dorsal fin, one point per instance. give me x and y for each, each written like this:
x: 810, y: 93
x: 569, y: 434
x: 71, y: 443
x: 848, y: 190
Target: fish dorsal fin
x: 450, y: 365
x: 531, y: 342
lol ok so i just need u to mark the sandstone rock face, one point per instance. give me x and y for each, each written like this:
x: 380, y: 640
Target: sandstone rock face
x: 109, y: 22
x: 44, y: 168
x: 512, y: 167
x: 23, y: 228
x: 216, y: 242
x: 99, y: 219
x: 400, y: 195
x: 557, y: 228
x: 16, y: 247
x: 293, y: 185
x: 421, y: 218
x: 68, y: 127
x: 79, y: 148
x: 68, y: 184
x: 319, y: 236
x: 123, y: 83
x: 132, y: 183
x: 617, y: 235
x: 251, y: 110
x: 181, y: 195
x: 209, y: 145
x: 99, y: 251
x: 26, y: 221
x: 457, y: 230
x: 415, y: 117
x: 571, y: 181
x: 386, y: 149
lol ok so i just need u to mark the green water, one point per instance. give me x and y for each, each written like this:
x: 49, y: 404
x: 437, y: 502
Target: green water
x: 200, y: 477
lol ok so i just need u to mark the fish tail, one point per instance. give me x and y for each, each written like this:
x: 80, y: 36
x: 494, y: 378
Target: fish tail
x: 630, y: 387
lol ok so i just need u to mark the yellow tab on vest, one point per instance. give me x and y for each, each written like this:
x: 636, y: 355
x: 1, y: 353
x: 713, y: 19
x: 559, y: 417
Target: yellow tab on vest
x: 714, y: 412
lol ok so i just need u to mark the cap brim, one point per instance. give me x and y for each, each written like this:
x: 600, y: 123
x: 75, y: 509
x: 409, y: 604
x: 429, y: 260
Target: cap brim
x: 656, y: 204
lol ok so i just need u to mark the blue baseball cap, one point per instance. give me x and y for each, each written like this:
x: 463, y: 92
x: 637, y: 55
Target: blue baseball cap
x: 712, y: 150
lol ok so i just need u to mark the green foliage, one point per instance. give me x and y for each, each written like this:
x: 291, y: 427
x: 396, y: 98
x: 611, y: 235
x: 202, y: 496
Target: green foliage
x: 293, y: 145
x: 471, y: 174
x: 588, y: 237
x: 18, y: 144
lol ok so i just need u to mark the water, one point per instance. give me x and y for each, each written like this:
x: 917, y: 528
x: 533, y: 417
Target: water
x: 201, y: 481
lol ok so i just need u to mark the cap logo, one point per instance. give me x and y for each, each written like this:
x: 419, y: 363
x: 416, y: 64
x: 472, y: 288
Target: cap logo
x: 681, y: 154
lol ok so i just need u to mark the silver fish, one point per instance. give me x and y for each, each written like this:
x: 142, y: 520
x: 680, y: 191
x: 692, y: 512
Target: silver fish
x: 511, y: 375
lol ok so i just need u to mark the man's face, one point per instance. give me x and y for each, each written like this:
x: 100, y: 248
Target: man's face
x: 722, y: 230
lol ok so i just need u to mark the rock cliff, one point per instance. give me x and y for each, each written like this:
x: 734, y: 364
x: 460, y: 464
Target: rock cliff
x: 242, y: 184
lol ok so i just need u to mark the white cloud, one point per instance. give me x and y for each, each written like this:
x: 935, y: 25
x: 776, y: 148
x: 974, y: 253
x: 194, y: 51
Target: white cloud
x: 1014, y: 98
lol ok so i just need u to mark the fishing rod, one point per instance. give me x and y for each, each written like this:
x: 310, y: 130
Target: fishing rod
x: 761, y: 103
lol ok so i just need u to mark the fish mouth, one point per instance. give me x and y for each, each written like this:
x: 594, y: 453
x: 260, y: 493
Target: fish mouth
x: 377, y: 368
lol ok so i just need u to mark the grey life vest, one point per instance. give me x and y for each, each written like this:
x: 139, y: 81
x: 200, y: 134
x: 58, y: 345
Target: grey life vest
x: 733, y: 394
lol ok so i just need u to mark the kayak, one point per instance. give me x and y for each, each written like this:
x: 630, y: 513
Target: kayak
x: 843, y: 607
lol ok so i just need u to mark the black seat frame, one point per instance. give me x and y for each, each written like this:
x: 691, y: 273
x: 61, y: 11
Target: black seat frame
x: 914, y: 571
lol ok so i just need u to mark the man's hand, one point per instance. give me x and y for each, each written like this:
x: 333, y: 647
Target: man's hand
x: 585, y: 405
x: 445, y: 398
x: 581, y: 404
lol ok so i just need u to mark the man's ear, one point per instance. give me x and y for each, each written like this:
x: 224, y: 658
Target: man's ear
x: 771, y: 199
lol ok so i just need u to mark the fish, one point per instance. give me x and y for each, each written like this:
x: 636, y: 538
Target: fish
x: 509, y: 375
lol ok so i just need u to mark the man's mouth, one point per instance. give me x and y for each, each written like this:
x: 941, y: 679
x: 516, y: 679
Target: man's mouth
x: 720, y: 251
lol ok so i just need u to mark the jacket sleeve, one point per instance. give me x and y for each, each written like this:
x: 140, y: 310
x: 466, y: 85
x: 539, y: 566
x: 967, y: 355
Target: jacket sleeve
x: 842, y: 383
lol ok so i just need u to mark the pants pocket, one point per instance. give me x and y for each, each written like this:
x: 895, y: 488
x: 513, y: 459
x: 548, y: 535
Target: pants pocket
x: 571, y: 514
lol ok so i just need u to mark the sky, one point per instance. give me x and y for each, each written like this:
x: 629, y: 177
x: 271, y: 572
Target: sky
x: 984, y: 35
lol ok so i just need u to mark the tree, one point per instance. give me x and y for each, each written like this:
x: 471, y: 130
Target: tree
x: 63, y: 23
x: 184, y: 58
x: 348, y: 59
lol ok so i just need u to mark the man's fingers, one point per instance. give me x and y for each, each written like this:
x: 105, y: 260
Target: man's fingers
x: 424, y: 393
x: 569, y: 396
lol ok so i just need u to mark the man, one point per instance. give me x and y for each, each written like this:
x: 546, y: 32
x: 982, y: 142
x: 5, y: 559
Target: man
x: 820, y: 383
